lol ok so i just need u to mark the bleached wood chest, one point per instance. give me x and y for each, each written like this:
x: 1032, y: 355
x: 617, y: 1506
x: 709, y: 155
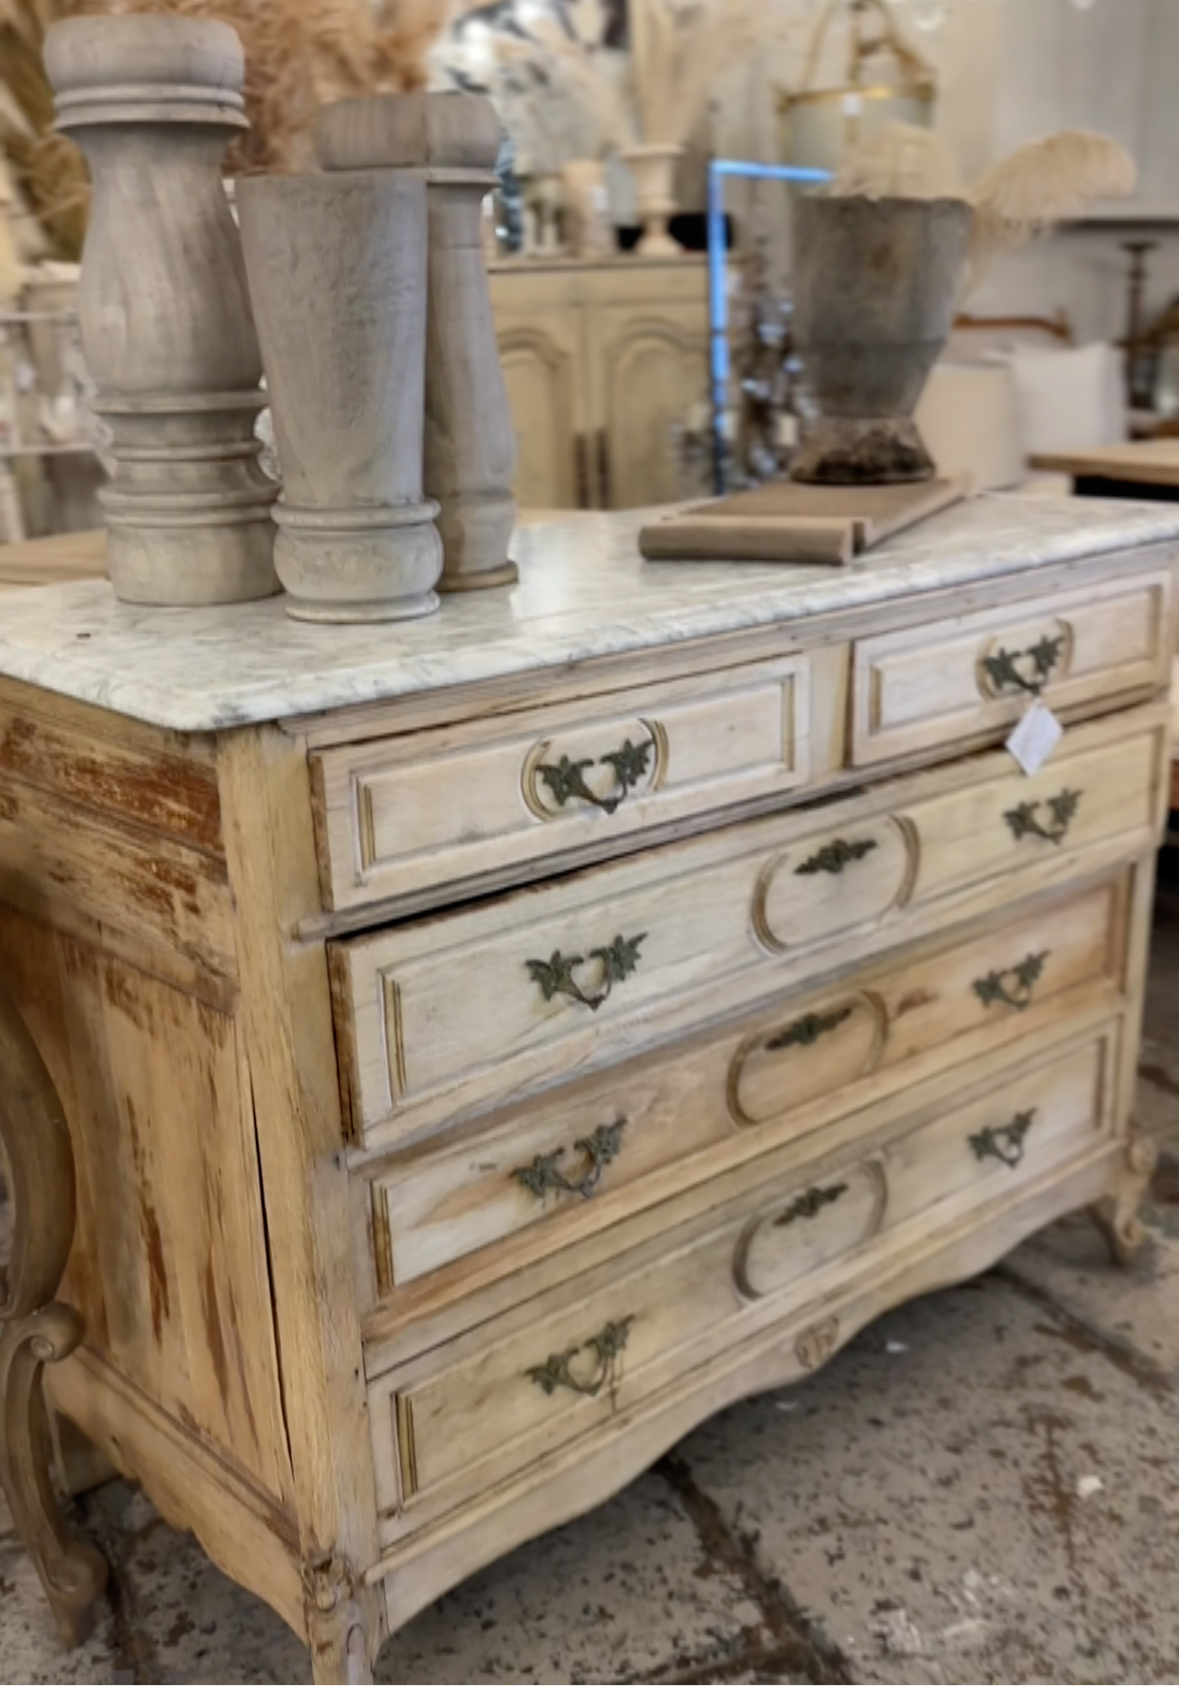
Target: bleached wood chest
x: 490, y: 1045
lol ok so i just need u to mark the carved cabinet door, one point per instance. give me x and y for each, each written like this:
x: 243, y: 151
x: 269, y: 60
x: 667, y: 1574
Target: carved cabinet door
x: 650, y: 364
x: 542, y: 359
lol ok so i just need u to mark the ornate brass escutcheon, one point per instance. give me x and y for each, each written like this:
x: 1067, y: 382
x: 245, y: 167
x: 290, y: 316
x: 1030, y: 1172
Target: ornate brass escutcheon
x: 1024, y: 978
x: 810, y: 1204
x: 805, y: 1032
x: 606, y: 1347
x: 1025, y: 820
x: 555, y: 976
x: 565, y: 779
x: 1005, y: 1143
x: 599, y: 1150
x: 1024, y: 670
x: 833, y: 857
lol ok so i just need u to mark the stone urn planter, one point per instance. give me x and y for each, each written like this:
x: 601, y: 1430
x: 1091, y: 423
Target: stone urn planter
x: 451, y: 142
x: 653, y: 169
x: 875, y: 286
x: 337, y: 271
x: 164, y: 310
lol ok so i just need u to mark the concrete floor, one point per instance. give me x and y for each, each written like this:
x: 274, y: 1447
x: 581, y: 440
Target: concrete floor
x: 982, y: 1487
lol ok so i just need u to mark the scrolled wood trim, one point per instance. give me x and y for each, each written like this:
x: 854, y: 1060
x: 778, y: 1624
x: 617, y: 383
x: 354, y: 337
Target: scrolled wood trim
x: 36, y: 1329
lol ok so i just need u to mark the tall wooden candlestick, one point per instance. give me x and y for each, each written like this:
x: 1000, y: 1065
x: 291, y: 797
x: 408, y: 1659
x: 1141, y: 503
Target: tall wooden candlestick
x: 470, y: 440
x: 163, y: 306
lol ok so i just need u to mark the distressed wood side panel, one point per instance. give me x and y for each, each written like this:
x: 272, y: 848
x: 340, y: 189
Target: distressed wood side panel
x: 61, y: 861
x: 130, y: 773
x: 169, y: 1264
x: 266, y: 803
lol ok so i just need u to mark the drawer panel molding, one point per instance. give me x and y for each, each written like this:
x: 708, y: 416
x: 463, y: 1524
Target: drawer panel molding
x: 397, y: 816
x: 780, y: 1247
x: 470, y: 1414
x: 946, y: 682
x: 852, y: 879
x: 591, y: 1152
x: 441, y: 1019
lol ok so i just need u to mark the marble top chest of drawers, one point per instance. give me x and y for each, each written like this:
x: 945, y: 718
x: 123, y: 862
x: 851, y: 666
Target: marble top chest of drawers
x: 488, y: 1046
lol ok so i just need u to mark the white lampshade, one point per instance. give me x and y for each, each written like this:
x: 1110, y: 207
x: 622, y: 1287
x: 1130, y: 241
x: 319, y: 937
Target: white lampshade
x: 969, y: 418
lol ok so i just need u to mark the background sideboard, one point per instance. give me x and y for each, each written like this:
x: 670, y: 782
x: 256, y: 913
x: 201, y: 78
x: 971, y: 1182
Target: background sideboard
x: 602, y: 362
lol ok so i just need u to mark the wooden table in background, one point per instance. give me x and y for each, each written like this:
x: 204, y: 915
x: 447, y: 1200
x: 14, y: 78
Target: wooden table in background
x: 67, y: 556
x: 1141, y: 468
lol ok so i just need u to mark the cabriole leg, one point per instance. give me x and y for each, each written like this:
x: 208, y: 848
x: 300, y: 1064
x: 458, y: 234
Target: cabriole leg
x: 1117, y: 1215
x: 343, y: 1626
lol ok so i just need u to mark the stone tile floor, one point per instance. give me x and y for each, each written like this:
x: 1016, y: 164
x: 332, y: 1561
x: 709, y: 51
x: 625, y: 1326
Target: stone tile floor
x: 983, y: 1487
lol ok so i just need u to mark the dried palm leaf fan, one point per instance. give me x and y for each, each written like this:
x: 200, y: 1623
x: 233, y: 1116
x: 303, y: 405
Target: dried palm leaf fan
x: 887, y: 80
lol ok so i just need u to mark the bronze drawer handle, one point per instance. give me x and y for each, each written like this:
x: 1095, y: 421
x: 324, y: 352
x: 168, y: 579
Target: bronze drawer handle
x: 565, y: 780
x: 1003, y: 669
x: 810, y: 1204
x: 1024, y: 977
x: 1025, y: 822
x: 555, y: 975
x: 805, y: 1032
x: 833, y: 857
x: 600, y: 1150
x: 1005, y: 1143
x: 557, y: 1369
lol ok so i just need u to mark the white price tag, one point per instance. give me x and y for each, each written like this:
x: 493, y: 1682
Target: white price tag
x: 1036, y: 736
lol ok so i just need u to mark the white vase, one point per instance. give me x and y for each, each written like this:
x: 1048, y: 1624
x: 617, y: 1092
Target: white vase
x: 470, y: 442
x: 163, y: 306
x: 337, y: 271
x: 587, y: 209
x: 653, y: 169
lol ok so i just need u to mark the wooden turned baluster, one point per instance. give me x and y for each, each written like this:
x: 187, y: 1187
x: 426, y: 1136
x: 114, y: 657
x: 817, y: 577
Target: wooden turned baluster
x: 36, y: 1330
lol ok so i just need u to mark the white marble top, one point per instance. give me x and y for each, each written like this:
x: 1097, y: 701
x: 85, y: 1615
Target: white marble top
x: 584, y: 592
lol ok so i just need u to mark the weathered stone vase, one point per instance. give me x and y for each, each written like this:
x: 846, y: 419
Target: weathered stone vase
x: 875, y: 285
x: 337, y: 271
x: 451, y: 140
x: 163, y: 305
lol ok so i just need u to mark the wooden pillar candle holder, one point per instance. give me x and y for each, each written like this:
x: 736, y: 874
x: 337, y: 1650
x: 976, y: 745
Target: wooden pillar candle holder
x: 337, y: 268
x: 470, y: 441
x: 163, y: 305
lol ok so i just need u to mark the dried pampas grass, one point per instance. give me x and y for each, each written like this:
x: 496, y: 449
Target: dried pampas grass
x: 302, y: 52
x: 679, y: 53
x: 1029, y: 193
x: 50, y: 184
x: 298, y: 53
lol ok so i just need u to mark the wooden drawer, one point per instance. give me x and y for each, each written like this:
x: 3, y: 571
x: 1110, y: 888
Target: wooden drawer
x: 402, y: 814
x: 481, y: 1407
x: 953, y: 680
x: 446, y: 1017
x: 581, y: 1152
